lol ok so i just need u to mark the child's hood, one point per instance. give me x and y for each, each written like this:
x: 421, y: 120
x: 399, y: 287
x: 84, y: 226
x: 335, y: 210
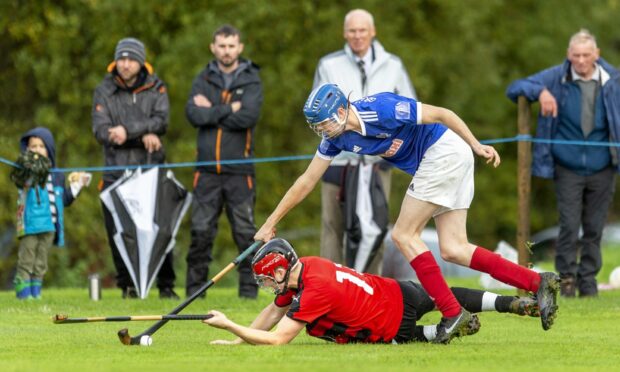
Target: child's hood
x: 46, y: 136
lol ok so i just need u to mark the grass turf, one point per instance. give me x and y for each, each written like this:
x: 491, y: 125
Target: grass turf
x: 584, y: 337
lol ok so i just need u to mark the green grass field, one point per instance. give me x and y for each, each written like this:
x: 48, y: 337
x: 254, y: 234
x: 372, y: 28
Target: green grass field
x: 586, y: 336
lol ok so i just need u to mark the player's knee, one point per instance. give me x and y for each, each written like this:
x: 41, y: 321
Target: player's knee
x: 407, y: 242
x: 400, y: 237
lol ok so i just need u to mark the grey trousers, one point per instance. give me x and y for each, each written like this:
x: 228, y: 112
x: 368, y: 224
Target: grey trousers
x: 332, y: 223
x: 583, y: 201
x: 32, y: 255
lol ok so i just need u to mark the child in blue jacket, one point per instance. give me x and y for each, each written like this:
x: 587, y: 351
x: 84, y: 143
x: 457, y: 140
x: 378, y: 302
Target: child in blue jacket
x: 40, y: 222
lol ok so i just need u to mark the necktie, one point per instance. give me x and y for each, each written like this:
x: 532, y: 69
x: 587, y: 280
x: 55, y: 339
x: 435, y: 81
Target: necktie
x: 588, y: 99
x: 360, y: 64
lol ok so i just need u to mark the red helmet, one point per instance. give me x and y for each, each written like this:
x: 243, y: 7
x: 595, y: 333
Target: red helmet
x: 275, y: 253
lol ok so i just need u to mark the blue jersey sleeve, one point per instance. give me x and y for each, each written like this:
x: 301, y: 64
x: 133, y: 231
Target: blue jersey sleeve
x: 386, y: 112
x: 327, y: 150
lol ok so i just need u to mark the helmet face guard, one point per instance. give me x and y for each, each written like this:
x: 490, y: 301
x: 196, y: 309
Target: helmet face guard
x: 276, y: 253
x: 269, y: 284
x: 321, y: 110
x: 331, y: 127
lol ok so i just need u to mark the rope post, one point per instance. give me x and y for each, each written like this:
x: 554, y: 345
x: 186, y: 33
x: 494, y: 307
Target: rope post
x: 524, y: 182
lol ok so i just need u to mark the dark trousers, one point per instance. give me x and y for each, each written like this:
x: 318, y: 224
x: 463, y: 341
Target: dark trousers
x: 416, y: 303
x: 212, y: 194
x: 583, y: 201
x: 165, y: 277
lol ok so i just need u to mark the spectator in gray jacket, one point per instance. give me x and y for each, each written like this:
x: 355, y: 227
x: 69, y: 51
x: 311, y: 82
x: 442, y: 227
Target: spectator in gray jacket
x: 362, y: 68
x: 130, y: 114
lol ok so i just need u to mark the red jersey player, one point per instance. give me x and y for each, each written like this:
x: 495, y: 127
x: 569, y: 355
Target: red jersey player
x: 338, y: 304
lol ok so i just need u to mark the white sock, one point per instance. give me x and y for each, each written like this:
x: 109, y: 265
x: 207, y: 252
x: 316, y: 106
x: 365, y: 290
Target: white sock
x: 430, y: 332
x: 488, y: 301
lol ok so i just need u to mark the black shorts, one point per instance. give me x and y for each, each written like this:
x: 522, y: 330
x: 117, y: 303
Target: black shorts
x: 416, y: 303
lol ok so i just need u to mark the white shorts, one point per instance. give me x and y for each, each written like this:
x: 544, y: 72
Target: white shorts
x: 446, y: 174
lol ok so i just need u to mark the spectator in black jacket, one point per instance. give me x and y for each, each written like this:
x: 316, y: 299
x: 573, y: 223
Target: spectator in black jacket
x: 224, y: 105
x: 130, y: 114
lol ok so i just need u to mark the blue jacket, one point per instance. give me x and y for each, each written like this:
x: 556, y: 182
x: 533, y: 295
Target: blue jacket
x: 557, y: 80
x: 33, y: 210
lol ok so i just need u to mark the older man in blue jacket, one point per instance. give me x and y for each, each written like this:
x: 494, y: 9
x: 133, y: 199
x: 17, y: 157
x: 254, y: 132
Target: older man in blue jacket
x: 579, y: 101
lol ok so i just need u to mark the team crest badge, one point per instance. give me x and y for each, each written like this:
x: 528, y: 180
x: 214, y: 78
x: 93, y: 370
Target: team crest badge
x: 402, y: 110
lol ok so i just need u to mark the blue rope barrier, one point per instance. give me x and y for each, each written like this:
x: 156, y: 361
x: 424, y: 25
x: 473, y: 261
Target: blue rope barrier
x: 517, y: 138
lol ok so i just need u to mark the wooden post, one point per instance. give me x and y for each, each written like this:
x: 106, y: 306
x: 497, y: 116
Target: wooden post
x: 524, y: 161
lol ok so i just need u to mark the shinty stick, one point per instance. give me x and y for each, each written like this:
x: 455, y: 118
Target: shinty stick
x: 64, y: 319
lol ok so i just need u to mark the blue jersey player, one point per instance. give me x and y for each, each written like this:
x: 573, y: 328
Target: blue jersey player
x: 435, y: 146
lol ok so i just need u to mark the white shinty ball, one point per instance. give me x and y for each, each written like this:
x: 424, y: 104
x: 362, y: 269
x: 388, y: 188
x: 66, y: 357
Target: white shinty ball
x: 614, y: 277
x: 146, y: 340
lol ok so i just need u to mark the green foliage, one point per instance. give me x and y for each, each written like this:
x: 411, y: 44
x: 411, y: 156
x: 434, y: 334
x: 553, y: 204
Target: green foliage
x: 459, y: 54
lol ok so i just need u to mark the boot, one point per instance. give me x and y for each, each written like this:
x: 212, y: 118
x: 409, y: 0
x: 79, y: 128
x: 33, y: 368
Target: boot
x: 568, y: 286
x: 35, y: 288
x: 22, y: 288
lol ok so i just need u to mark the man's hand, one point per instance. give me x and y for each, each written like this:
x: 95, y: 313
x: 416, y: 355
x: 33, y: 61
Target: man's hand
x: 80, y: 178
x: 489, y: 153
x: 548, y: 104
x: 265, y: 233
x: 117, y: 134
x: 202, y: 101
x: 219, y: 320
x: 236, y: 106
x: 151, y: 142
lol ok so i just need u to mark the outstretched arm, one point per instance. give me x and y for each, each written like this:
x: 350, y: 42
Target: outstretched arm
x: 295, y: 194
x: 266, y: 320
x: 258, y: 333
x: 434, y: 114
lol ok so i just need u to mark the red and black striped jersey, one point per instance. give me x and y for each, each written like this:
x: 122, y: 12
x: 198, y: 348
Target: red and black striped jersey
x: 341, y: 305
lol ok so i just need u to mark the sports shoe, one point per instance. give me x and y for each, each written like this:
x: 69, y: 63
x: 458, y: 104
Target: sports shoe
x: 35, y: 288
x: 420, y: 335
x: 568, y: 287
x: 473, y: 326
x: 547, y: 298
x: 22, y: 288
x: 450, y: 328
x: 129, y: 292
x: 168, y: 293
x: 524, y: 306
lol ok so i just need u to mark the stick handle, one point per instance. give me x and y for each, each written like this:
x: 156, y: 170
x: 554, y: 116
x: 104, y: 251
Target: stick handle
x: 63, y: 319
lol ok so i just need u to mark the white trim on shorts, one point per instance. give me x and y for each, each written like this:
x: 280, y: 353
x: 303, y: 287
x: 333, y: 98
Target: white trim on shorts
x: 446, y: 175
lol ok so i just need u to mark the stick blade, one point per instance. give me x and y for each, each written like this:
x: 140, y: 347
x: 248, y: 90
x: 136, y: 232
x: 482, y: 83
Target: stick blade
x: 123, y: 336
x: 59, y: 318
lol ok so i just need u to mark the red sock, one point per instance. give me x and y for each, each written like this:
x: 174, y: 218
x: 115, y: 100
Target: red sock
x: 504, y: 270
x: 430, y: 277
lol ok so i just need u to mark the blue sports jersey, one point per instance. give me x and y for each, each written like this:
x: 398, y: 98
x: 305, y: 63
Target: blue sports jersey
x: 389, y: 129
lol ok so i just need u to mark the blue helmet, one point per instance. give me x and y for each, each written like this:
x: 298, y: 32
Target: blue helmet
x: 323, y: 103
